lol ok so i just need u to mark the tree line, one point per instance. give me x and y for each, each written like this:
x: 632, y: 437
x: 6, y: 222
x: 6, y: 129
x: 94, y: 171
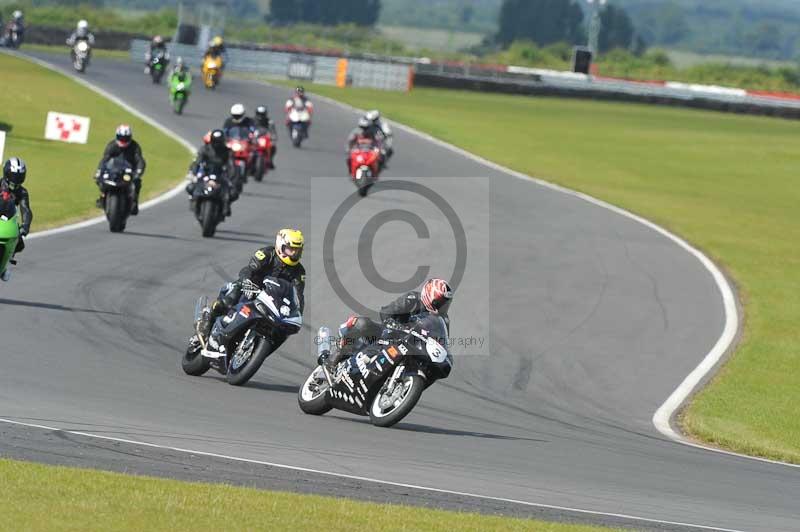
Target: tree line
x: 325, y: 12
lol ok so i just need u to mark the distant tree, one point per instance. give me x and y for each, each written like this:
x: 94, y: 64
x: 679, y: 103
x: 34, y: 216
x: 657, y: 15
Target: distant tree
x: 617, y: 29
x: 541, y: 21
x: 325, y: 12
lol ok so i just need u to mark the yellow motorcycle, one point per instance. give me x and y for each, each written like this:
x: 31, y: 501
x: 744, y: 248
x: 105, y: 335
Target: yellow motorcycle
x: 212, y: 71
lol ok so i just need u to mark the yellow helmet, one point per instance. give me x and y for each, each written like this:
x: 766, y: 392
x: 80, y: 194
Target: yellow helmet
x: 289, y: 246
x: 217, y: 41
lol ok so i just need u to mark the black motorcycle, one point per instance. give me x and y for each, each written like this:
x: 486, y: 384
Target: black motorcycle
x: 241, y: 341
x: 13, y: 35
x: 158, y: 66
x: 117, y: 186
x: 207, y: 192
x: 383, y: 380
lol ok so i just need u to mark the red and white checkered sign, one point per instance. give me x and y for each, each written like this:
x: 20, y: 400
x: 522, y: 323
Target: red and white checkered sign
x: 67, y: 128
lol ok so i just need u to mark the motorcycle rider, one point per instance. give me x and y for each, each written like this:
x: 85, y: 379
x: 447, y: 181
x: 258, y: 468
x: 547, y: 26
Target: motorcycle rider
x: 157, y: 46
x: 263, y: 121
x: 281, y: 261
x: 123, y: 145
x: 299, y: 101
x: 18, y: 21
x: 365, y: 131
x: 217, y: 157
x: 14, y: 172
x: 359, y: 331
x: 383, y: 127
x: 239, y: 118
x: 216, y: 48
x: 181, y: 72
x: 81, y: 33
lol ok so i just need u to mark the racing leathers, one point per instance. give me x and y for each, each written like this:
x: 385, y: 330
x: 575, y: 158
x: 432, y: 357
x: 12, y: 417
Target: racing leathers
x: 132, y: 153
x: 245, y: 121
x: 22, y: 201
x: 264, y: 263
x: 359, y: 134
x: 153, y: 51
x: 266, y: 124
x: 76, y: 36
x: 360, y: 331
x: 216, y: 159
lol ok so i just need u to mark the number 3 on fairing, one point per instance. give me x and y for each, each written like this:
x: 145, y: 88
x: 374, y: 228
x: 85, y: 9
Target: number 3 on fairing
x: 435, y: 350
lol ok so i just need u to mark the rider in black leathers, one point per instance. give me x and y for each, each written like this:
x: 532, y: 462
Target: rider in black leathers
x: 124, y: 145
x: 14, y: 172
x: 263, y: 121
x: 216, y: 156
x: 281, y: 261
x: 359, y: 331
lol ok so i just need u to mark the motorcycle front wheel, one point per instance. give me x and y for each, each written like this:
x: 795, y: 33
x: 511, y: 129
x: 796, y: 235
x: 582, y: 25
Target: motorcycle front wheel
x: 248, y: 356
x: 116, y: 212
x: 389, y: 407
x: 193, y: 363
x: 313, y: 395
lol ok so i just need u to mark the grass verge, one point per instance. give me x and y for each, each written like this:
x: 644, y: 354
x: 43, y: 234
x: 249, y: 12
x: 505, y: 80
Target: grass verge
x: 39, y: 497
x: 59, y: 174
x: 727, y: 183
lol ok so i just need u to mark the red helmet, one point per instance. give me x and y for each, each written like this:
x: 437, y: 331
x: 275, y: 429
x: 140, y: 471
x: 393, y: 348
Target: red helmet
x: 436, y: 295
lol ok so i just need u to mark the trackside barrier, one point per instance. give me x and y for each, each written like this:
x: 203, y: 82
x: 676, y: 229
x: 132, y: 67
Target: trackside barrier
x: 316, y: 68
x: 541, y: 82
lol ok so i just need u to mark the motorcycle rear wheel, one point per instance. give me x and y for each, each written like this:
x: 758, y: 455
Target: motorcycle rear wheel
x: 394, y: 408
x: 314, y: 402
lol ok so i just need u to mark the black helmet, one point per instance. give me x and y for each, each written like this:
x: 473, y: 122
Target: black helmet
x: 14, y: 171
x: 217, y: 138
x: 262, y: 112
x: 300, y: 91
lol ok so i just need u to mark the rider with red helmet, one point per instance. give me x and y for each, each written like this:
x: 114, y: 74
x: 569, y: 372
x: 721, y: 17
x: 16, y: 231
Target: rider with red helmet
x: 358, y: 331
x: 124, y: 145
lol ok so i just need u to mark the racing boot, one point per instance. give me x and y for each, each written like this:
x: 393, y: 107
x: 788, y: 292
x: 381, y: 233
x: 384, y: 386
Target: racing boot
x: 6, y: 275
x: 99, y: 201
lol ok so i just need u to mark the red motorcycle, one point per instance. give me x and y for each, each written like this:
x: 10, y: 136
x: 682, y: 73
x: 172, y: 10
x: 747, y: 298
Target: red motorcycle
x: 263, y: 154
x: 241, y: 146
x: 365, y: 165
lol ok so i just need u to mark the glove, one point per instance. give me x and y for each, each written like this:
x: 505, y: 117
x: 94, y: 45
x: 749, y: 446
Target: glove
x: 23, y: 231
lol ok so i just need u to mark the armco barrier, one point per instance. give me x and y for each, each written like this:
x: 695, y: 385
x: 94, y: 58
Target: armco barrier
x: 324, y: 69
x: 517, y: 80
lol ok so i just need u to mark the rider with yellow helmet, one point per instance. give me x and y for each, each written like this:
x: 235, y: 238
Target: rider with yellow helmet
x: 281, y: 260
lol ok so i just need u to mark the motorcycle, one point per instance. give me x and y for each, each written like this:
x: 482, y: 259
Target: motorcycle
x: 365, y: 166
x: 240, y: 144
x: 207, y: 192
x: 117, y: 187
x: 212, y: 71
x: 263, y: 153
x: 179, y: 93
x: 13, y: 35
x: 384, y: 380
x: 244, y: 336
x: 81, y: 53
x: 298, y: 121
x: 9, y: 233
x: 158, y: 65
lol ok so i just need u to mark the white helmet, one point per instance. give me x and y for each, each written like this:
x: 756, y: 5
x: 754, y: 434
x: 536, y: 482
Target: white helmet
x: 83, y: 25
x: 373, y: 116
x: 238, y: 111
x: 17, y: 14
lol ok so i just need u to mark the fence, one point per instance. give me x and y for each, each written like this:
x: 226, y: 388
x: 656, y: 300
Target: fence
x: 520, y: 80
x: 324, y: 69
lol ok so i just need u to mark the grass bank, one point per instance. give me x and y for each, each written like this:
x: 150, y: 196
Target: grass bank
x: 727, y: 183
x: 38, y: 497
x: 59, y: 174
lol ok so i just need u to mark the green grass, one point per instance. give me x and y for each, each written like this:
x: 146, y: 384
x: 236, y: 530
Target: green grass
x: 729, y: 184
x: 60, y: 175
x: 38, y: 497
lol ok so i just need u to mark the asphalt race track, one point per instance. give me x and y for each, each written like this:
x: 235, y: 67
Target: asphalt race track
x: 595, y: 319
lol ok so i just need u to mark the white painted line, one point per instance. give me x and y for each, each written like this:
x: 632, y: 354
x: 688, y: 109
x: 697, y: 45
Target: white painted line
x: 371, y: 480
x: 664, y: 414
x: 132, y: 110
